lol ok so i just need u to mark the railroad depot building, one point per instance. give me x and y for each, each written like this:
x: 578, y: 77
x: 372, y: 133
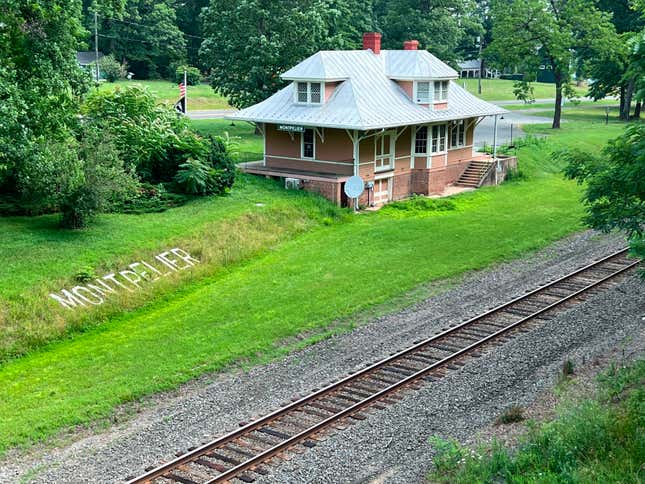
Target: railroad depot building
x: 396, y: 118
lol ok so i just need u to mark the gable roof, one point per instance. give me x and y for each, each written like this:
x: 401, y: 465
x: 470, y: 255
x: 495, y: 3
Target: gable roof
x: 366, y: 97
x: 86, y: 58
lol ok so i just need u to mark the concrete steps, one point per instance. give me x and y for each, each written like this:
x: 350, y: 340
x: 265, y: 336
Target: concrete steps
x: 474, y: 174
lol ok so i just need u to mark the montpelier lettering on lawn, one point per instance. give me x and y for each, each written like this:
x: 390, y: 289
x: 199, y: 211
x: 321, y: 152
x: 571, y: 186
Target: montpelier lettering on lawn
x: 137, y: 272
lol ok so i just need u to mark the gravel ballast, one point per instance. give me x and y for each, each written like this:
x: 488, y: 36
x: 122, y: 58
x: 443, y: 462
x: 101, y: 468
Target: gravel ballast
x: 391, y: 445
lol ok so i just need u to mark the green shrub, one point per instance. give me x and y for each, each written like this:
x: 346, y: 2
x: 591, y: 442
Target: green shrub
x: 111, y: 69
x: 515, y: 174
x: 193, y: 177
x: 193, y: 76
x: 150, y: 198
x: 150, y: 137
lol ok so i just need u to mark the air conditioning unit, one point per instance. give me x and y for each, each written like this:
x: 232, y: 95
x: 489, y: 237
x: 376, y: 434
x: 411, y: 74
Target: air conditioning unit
x: 293, y: 183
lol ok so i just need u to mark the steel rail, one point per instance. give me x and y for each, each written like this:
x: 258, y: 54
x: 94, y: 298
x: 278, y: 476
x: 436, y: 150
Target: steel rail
x: 383, y: 393
x: 221, y: 441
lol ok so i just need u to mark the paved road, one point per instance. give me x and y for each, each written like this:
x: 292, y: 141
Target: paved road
x: 508, y: 127
x: 210, y: 113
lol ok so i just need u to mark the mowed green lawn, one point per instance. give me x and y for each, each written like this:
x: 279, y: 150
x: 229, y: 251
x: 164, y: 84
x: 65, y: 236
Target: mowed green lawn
x: 306, y: 283
x: 200, y: 97
x: 502, y: 89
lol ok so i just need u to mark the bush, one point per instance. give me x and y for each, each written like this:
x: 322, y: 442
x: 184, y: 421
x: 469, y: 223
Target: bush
x: 193, y: 76
x: 103, y: 182
x: 80, y: 179
x: 111, y: 68
x: 150, y: 137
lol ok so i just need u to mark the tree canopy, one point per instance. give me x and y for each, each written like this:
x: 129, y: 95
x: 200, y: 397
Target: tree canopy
x: 531, y: 33
x: 250, y: 42
x: 614, y: 184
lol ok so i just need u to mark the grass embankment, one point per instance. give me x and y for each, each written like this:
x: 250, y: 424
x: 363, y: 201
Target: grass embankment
x: 331, y: 272
x: 200, y: 97
x: 502, y: 89
x: 594, y: 440
x: 39, y: 258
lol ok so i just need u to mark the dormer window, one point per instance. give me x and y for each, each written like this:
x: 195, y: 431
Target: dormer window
x: 309, y: 92
x: 422, y: 94
x: 440, y: 91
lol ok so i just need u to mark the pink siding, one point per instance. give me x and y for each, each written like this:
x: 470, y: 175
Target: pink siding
x: 330, y: 87
x: 440, y: 106
x: 408, y: 87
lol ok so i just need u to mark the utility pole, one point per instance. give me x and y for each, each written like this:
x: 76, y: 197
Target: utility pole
x: 186, y: 95
x: 96, y: 44
x: 481, y: 64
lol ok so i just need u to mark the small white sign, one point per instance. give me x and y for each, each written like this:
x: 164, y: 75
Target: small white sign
x: 291, y: 128
x: 95, y: 293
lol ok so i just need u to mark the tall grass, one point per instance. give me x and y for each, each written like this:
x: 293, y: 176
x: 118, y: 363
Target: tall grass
x: 594, y: 440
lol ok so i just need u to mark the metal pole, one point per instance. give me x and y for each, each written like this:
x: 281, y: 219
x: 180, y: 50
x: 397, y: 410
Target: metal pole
x: 481, y: 62
x: 96, y: 44
x: 356, y: 165
x: 185, y: 95
x: 495, y: 139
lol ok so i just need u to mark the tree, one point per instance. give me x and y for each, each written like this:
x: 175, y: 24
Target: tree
x: 614, y: 184
x: 143, y: 33
x: 532, y: 32
x: 609, y: 68
x: 249, y: 43
x: 40, y: 82
x: 438, y: 25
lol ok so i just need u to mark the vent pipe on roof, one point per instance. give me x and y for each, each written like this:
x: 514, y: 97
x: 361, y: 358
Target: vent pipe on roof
x: 372, y: 40
x: 411, y: 45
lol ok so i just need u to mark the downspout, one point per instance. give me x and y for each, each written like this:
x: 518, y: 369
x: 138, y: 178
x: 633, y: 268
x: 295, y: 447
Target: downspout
x: 356, y: 143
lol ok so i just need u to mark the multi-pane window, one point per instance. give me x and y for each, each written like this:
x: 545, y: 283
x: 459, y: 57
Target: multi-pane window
x: 457, y: 134
x: 423, y: 92
x: 314, y: 92
x: 440, y: 91
x: 302, y: 92
x: 308, y: 143
x: 383, y: 158
x: 309, y: 92
x: 438, y: 138
x: 421, y: 140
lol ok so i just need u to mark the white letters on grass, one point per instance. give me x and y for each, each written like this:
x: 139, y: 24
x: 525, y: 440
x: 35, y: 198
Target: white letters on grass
x: 130, y: 279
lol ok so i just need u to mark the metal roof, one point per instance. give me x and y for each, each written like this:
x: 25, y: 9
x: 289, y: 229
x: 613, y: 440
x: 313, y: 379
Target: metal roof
x: 470, y: 64
x: 368, y: 98
x: 86, y: 58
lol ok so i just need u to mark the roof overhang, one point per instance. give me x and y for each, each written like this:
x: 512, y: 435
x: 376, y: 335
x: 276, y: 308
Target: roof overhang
x: 314, y: 79
x: 234, y: 117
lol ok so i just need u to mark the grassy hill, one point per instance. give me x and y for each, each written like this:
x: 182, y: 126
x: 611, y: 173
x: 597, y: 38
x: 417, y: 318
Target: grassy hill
x: 264, y: 251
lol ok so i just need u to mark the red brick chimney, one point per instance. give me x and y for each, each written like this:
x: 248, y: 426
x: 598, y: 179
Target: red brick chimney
x: 411, y: 45
x: 372, y: 40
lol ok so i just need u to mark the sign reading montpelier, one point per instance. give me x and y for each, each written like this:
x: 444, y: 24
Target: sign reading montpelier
x: 130, y: 279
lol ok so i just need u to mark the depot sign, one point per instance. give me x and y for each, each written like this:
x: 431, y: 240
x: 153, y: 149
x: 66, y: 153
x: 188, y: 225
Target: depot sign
x: 130, y: 279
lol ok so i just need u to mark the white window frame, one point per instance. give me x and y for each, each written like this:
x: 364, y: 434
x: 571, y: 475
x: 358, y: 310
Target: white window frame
x: 416, y: 92
x: 302, y: 144
x: 380, y: 139
x: 414, y: 141
x: 460, y: 128
x: 442, y: 141
x: 440, y: 95
x: 309, y: 101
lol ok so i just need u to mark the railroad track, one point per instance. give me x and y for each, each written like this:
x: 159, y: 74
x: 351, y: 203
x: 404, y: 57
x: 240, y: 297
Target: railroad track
x: 245, y: 453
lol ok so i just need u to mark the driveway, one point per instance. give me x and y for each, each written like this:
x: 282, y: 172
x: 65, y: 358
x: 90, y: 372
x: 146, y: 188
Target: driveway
x: 508, y: 127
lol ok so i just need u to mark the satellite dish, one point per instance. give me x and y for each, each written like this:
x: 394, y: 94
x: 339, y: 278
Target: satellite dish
x: 354, y: 186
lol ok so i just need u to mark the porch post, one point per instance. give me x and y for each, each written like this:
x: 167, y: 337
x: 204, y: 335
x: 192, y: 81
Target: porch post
x: 495, y: 149
x: 355, y: 142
